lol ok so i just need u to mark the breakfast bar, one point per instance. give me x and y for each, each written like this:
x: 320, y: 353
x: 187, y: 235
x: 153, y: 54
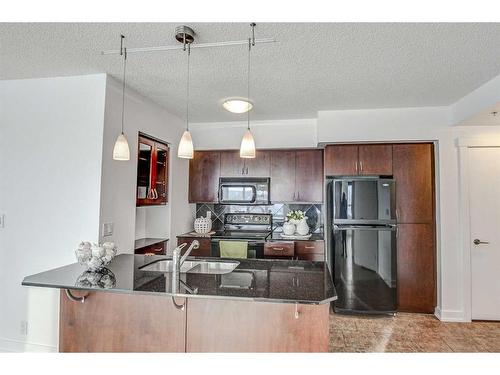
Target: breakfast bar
x: 219, y: 305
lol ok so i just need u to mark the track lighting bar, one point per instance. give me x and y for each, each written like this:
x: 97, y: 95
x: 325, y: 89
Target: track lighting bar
x: 180, y: 47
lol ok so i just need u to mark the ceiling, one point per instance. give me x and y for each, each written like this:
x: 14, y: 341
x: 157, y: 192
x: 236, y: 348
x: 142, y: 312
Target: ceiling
x: 312, y: 67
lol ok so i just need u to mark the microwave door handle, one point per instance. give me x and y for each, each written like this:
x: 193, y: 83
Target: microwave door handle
x: 254, y: 194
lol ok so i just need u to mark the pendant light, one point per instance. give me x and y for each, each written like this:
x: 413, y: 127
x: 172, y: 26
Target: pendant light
x: 121, y: 151
x: 186, y: 149
x: 247, y: 148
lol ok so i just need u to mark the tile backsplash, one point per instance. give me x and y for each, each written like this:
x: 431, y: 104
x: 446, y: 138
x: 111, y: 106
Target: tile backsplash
x: 314, y: 213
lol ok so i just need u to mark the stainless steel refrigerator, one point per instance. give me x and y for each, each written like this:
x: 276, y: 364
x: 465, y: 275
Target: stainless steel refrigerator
x: 362, y: 232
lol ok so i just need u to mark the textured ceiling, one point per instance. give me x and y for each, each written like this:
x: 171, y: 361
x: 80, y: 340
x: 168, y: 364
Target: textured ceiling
x: 312, y: 66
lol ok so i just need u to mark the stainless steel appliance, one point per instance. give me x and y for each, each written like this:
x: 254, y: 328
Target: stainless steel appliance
x: 253, y: 228
x: 362, y: 242
x: 244, y: 190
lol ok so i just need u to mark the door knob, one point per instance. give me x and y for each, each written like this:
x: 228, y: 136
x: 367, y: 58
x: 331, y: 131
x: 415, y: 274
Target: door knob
x: 477, y: 241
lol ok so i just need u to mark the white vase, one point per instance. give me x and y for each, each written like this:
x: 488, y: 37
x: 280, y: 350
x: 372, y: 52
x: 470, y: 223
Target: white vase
x: 302, y: 227
x: 288, y: 229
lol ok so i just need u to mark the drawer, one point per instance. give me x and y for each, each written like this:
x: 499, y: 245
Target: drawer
x: 156, y: 249
x: 310, y: 247
x: 283, y: 249
x: 202, y: 251
x: 311, y: 257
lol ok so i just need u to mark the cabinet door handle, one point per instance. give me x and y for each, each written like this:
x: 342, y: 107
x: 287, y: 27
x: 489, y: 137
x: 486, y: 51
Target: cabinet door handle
x: 356, y: 164
x: 361, y: 166
x: 397, y: 215
x: 309, y: 247
x: 278, y: 248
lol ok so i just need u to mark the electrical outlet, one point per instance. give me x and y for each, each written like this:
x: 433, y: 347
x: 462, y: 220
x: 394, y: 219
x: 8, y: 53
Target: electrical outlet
x: 23, y: 328
x: 2, y: 220
x: 107, y: 229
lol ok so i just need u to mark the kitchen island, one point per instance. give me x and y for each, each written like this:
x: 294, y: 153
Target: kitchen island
x: 261, y: 306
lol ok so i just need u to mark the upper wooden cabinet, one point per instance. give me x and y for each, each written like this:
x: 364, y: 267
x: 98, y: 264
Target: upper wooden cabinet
x: 297, y: 176
x: 283, y: 176
x: 413, y: 172
x: 363, y: 160
x: 375, y: 160
x: 232, y: 165
x: 341, y: 160
x: 152, y: 172
x: 309, y: 179
x: 204, y: 173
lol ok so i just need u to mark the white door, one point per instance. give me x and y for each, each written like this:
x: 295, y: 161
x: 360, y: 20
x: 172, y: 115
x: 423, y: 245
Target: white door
x: 484, y: 200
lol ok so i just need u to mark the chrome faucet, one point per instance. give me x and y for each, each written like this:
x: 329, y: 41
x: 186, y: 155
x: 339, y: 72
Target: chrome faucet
x: 177, y: 262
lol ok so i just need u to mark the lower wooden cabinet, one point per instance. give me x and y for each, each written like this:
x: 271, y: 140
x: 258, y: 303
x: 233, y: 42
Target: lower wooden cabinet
x: 159, y: 248
x: 300, y: 250
x: 416, y: 268
x: 119, y: 322
x: 277, y: 249
x: 310, y: 250
x: 255, y: 327
x: 202, y: 251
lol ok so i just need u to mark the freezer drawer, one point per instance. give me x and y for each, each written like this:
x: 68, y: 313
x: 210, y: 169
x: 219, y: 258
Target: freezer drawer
x: 364, y: 268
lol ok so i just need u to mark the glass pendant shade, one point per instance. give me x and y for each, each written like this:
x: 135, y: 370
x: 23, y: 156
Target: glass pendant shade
x: 121, y: 151
x: 247, y: 149
x: 185, y: 149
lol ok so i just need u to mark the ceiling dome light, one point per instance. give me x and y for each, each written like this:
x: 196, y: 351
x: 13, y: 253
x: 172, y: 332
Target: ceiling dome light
x: 237, y: 105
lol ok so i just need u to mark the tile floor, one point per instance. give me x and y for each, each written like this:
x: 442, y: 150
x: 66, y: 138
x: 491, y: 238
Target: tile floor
x: 411, y: 333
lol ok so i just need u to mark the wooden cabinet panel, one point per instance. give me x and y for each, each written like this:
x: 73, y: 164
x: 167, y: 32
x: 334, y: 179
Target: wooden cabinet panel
x: 416, y: 268
x: 413, y: 172
x: 204, y: 173
x: 255, y: 327
x: 309, y: 179
x: 279, y: 249
x: 375, y: 160
x: 260, y: 166
x: 283, y: 176
x: 103, y: 323
x: 310, y: 247
x: 341, y: 160
x: 202, y: 251
x: 232, y: 165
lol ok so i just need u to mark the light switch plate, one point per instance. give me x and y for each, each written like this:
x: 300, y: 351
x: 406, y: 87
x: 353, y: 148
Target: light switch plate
x: 107, y: 229
x: 2, y: 220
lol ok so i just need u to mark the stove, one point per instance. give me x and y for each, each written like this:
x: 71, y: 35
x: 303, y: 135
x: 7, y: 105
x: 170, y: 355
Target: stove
x: 254, y: 228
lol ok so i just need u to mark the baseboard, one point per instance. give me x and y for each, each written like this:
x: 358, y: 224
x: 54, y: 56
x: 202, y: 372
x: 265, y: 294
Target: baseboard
x: 16, y: 346
x: 450, y: 315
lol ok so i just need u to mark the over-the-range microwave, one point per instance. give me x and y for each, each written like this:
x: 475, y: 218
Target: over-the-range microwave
x: 244, y: 190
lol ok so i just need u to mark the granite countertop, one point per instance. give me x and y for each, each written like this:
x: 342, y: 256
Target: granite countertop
x: 287, y: 281
x: 276, y: 236
x: 197, y: 235
x: 143, y: 242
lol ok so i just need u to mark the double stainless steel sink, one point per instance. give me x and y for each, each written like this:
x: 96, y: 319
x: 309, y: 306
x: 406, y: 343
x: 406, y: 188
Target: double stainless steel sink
x: 193, y: 266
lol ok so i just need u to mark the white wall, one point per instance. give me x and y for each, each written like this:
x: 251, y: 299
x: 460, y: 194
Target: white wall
x: 119, y: 177
x: 50, y: 173
x: 267, y: 134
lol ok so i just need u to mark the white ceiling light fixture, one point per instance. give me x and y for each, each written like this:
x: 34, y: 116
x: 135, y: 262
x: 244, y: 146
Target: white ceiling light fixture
x: 237, y: 105
x: 247, y: 148
x: 185, y: 35
x: 121, y: 150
